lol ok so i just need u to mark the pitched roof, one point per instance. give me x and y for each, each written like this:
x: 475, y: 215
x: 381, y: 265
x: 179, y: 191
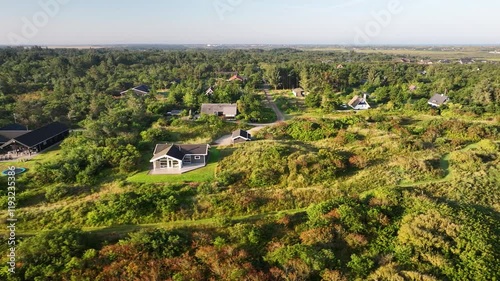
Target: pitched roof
x: 178, y: 151
x: 3, y: 140
x: 355, y: 101
x: 438, y: 99
x: 236, y: 77
x: 14, y: 127
x: 12, y: 134
x: 160, y: 147
x: 298, y: 90
x: 241, y: 134
x: 358, y: 100
x: 228, y: 109
x: 142, y: 88
x: 42, y: 134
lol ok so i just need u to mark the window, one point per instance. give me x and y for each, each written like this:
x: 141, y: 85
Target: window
x: 197, y: 157
x: 163, y: 164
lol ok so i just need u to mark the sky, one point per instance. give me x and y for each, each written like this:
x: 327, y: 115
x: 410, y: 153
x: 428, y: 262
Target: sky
x: 346, y: 22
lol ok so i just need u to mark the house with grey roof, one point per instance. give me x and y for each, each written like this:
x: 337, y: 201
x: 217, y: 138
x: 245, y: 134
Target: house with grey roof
x: 179, y: 158
x: 12, y: 131
x: 359, y: 103
x: 298, y: 92
x: 438, y: 100
x: 226, y: 110
x: 3, y: 140
x: 240, y: 136
x: 139, y: 90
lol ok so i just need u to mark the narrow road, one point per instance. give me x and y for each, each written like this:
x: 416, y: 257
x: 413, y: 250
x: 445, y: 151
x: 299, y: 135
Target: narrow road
x: 279, y: 114
x: 226, y: 140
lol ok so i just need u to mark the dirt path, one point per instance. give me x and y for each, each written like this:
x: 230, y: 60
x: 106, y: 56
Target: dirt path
x: 279, y: 114
x: 226, y: 140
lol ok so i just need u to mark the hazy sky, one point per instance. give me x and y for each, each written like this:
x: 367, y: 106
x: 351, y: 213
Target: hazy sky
x: 74, y: 22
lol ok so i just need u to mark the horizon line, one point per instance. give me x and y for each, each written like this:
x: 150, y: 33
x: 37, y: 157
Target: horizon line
x: 262, y: 44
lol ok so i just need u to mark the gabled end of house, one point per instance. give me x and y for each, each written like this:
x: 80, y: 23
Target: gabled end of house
x: 139, y: 90
x: 438, y: 100
x: 179, y: 158
x: 359, y: 103
x: 298, y: 92
x: 239, y: 136
x: 210, y: 91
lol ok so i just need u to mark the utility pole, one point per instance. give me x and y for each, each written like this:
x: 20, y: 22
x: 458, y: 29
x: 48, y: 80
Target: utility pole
x: 15, y: 119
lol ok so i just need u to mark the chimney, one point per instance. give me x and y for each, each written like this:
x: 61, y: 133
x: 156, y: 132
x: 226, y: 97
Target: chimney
x: 364, y: 96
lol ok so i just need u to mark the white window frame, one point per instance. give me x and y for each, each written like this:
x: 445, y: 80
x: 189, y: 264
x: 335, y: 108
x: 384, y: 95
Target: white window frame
x: 197, y: 158
x: 163, y: 163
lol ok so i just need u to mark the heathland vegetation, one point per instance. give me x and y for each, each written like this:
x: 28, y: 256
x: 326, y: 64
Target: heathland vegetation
x: 403, y: 191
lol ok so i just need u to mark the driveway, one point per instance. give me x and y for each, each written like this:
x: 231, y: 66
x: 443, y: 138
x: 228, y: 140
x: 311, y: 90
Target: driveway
x: 227, y: 140
x: 279, y: 114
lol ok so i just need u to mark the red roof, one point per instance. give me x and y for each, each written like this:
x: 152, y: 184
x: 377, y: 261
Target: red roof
x: 235, y: 77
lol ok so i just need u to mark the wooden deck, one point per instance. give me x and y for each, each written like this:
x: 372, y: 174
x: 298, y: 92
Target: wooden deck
x: 175, y: 171
x: 17, y: 157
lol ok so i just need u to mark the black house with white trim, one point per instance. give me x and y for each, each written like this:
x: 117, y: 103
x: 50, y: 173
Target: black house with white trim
x: 139, y: 90
x: 39, y: 139
x: 239, y: 136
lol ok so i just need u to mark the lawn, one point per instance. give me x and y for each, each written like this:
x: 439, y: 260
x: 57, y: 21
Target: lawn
x: 45, y: 156
x: 201, y: 175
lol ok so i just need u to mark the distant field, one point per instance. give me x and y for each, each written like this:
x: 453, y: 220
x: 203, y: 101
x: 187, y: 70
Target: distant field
x: 433, y: 53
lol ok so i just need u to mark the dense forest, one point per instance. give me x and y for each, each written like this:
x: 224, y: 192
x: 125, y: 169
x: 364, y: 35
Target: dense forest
x: 403, y: 191
x: 68, y: 84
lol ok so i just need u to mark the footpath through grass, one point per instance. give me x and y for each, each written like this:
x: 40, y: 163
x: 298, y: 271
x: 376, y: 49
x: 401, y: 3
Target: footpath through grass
x: 204, y: 174
x: 207, y: 222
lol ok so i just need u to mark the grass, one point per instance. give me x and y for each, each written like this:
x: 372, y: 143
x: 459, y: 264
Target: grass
x: 201, y: 175
x: 193, y: 132
x: 207, y: 222
x: 45, y: 156
x: 444, y: 164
